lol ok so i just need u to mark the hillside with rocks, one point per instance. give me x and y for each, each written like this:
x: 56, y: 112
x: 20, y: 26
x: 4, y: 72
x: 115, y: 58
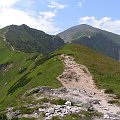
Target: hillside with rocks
x: 79, y: 95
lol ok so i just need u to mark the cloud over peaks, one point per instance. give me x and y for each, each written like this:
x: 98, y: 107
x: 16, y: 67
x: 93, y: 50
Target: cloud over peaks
x: 105, y: 23
x: 43, y: 20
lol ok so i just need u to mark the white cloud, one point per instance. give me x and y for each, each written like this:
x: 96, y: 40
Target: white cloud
x: 7, y: 3
x: 79, y: 4
x: 105, y: 23
x: 47, y: 15
x: 42, y: 20
x: 56, y: 5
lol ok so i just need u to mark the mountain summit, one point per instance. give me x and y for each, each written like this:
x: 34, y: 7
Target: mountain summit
x: 99, y: 40
x: 26, y: 39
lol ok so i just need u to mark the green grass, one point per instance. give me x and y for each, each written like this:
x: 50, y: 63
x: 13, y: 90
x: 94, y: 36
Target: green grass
x: 26, y: 119
x: 26, y: 73
x: 105, y: 71
x: 109, y: 91
x: 55, y: 118
x: 58, y: 101
x: 72, y: 117
x: 3, y: 116
x: 117, y: 102
x: 79, y: 116
x: 44, y: 100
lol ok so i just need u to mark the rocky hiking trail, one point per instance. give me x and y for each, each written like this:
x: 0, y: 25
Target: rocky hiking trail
x: 79, y: 95
x: 78, y: 81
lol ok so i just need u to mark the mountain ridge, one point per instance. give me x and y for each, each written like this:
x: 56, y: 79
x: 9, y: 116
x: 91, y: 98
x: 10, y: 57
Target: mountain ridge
x: 100, y: 40
x: 83, y: 28
x: 26, y: 39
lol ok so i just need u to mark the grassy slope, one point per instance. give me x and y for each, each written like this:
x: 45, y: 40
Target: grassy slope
x: 34, y: 72
x: 5, y: 51
x: 105, y: 71
x: 44, y: 70
x: 26, y: 73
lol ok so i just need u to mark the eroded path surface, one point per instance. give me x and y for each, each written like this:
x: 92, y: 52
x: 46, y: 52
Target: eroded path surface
x: 76, y: 76
x: 81, y: 88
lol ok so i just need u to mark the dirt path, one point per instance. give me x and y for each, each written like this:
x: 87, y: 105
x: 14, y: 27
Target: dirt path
x: 78, y: 80
x: 76, y: 76
x: 4, y: 39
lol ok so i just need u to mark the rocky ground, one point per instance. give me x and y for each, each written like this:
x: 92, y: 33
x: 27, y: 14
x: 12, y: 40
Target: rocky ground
x: 79, y: 95
x: 78, y: 80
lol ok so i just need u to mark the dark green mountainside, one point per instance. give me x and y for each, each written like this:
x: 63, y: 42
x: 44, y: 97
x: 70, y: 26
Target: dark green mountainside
x: 99, y: 40
x: 26, y: 39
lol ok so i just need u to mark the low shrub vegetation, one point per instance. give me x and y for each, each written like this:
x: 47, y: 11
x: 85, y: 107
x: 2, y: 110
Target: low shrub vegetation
x: 58, y: 101
x: 114, y: 102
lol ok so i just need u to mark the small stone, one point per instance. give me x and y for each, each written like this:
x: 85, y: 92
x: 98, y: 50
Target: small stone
x: 68, y: 103
x: 35, y: 113
x: 95, y: 102
x: 63, y: 110
x: 106, y: 109
x: 9, y: 116
x: 106, y: 116
x: 47, y: 118
x: 68, y: 107
x: 41, y: 110
x: 61, y: 115
x: 47, y: 114
x: 51, y: 110
x: 91, y: 108
x: 58, y: 110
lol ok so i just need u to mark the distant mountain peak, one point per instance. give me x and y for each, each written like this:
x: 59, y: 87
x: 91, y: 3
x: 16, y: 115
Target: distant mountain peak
x: 84, y: 25
x: 26, y: 39
x: 24, y: 26
x: 100, y: 40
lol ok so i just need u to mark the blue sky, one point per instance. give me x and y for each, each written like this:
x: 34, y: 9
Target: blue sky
x: 53, y: 16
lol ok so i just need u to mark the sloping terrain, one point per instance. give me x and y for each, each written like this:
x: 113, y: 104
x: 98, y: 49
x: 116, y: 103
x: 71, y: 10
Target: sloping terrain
x: 20, y: 72
x: 82, y: 93
x: 105, y: 71
x: 105, y: 42
x: 26, y: 39
x: 24, y: 71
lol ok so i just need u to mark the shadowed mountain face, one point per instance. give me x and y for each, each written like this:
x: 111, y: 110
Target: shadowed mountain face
x: 26, y: 39
x: 99, y: 40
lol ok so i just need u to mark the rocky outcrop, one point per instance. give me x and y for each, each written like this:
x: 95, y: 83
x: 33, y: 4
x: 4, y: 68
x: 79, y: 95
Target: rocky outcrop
x: 6, y: 66
x: 60, y: 110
